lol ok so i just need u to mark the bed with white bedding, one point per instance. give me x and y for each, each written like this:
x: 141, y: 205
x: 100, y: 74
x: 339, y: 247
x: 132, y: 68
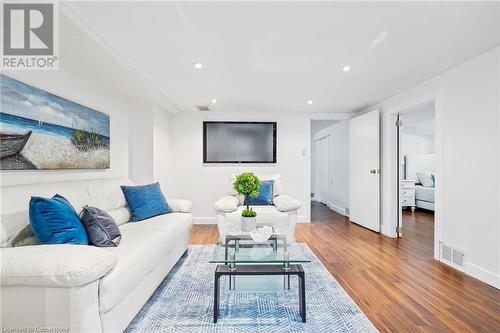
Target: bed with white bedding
x: 424, y: 197
x: 424, y: 164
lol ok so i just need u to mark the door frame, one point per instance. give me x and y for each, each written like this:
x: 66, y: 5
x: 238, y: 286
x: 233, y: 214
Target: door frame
x: 392, y: 203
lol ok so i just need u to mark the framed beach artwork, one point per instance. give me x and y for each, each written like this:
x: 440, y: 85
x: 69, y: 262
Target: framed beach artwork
x: 39, y: 130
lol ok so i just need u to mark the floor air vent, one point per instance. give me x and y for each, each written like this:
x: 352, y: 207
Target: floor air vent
x: 452, y: 256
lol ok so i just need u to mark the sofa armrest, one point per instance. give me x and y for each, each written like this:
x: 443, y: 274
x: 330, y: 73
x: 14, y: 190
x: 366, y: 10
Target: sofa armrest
x: 62, y: 265
x: 180, y: 205
x: 227, y: 204
x: 284, y: 203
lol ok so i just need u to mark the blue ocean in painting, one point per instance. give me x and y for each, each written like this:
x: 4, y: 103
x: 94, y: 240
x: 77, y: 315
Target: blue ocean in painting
x: 22, y: 100
x: 26, y: 124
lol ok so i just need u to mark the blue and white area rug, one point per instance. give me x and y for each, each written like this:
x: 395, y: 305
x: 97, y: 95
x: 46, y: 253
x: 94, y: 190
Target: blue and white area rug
x: 184, y: 302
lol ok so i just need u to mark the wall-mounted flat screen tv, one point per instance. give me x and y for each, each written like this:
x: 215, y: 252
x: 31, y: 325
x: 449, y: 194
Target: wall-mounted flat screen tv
x: 239, y: 142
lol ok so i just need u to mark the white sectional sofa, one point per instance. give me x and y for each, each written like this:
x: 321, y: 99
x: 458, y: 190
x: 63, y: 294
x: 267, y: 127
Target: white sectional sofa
x: 86, y: 288
x: 283, y: 212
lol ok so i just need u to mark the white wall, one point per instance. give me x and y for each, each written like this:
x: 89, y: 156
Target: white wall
x: 141, y: 168
x: 149, y: 147
x: 206, y: 183
x: 416, y: 144
x: 338, y: 187
x: 162, y: 155
x: 470, y: 126
x: 417, y: 132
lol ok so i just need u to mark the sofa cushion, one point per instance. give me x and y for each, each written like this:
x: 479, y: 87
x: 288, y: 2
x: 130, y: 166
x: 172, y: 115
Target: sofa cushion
x: 120, y: 215
x: 180, y: 205
x: 55, y: 221
x: 107, y: 194
x: 142, y: 247
x: 145, y: 201
x: 61, y: 265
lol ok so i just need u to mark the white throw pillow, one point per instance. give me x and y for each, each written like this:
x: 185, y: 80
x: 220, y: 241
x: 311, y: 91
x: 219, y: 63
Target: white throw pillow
x: 425, y: 179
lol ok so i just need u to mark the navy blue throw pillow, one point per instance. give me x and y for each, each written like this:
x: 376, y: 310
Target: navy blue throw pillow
x: 145, y: 201
x: 101, y: 227
x: 265, y: 196
x: 55, y: 221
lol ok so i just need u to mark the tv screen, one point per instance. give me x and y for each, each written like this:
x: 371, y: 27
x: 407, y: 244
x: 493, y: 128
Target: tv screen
x: 239, y: 142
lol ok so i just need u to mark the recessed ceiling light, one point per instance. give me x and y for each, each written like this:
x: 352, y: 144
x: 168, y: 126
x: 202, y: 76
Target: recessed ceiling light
x: 197, y: 65
x: 346, y: 68
x: 310, y: 102
x: 214, y: 101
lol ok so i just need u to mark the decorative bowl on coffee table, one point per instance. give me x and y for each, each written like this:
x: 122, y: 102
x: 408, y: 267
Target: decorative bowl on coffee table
x: 262, y: 234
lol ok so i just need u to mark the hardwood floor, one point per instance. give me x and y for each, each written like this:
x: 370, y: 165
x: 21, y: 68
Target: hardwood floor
x: 395, y: 282
x: 418, y: 232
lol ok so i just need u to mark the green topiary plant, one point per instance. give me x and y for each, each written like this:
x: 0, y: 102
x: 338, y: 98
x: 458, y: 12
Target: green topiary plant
x: 248, y: 185
x: 248, y: 213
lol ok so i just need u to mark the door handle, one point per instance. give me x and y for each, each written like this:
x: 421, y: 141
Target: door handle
x: 374, y: 171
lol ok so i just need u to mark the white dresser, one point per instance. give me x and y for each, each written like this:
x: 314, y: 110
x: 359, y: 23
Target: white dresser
x: 408, y: 193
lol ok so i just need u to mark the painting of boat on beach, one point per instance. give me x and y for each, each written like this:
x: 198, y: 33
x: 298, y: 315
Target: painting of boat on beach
x: 39, y: 130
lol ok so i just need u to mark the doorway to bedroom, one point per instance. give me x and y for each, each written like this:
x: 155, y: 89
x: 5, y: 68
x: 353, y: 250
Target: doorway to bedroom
x: 416, y: 175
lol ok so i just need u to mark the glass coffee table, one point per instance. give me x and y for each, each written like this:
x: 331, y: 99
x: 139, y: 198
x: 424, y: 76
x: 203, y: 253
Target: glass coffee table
x: 241, y: 256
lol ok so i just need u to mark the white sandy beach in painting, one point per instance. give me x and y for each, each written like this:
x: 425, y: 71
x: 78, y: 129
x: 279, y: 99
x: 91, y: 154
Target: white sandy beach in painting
x: 48, y: 151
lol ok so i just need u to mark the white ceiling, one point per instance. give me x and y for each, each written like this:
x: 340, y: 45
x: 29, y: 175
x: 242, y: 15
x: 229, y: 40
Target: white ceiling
x: 274, y: 56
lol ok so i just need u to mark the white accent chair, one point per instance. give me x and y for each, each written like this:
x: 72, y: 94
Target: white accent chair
x: 84, y: 288
x: 283, y: 212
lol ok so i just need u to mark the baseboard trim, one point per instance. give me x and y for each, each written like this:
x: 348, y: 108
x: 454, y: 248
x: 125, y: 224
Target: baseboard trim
x: 338, y: 209
x: 204, y: 220
x: 482, y: 274
x: 302, y: 219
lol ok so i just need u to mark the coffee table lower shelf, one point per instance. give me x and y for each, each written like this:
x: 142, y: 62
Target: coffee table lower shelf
x: 254, y: 269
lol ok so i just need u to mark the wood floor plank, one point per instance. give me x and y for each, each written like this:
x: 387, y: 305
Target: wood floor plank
x: 396, y: 282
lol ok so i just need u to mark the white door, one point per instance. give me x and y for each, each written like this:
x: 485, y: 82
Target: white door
x: 364, y: 170
x: 322, y: 175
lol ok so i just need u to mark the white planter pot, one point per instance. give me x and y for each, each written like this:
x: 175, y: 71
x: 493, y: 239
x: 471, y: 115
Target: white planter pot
x: 248, y: 223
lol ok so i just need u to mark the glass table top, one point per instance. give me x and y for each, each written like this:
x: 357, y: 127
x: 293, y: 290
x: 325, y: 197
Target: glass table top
x: 243, y: 249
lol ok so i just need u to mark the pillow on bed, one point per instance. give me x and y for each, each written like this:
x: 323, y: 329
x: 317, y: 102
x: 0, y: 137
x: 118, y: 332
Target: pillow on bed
x: 426, y: 179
